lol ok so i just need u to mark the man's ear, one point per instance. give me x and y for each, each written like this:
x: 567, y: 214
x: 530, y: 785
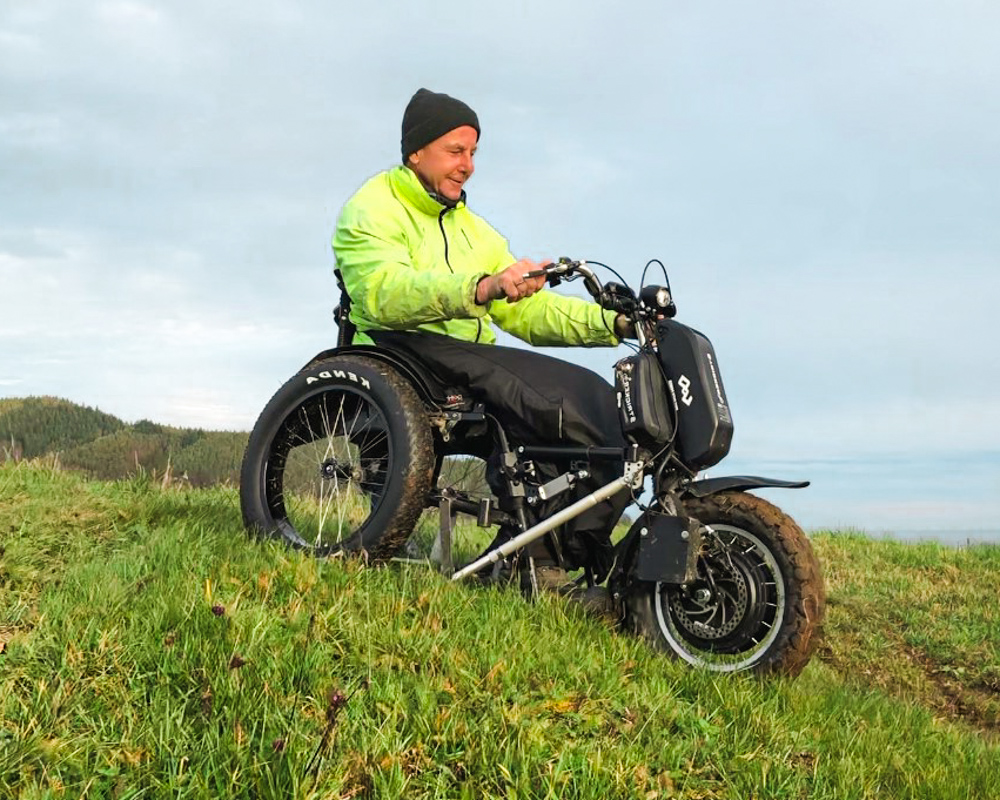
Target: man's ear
x: 413, y: 159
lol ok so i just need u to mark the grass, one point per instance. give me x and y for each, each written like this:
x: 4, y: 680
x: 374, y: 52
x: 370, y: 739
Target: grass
x: 149, y: 649
x: 919, y: 621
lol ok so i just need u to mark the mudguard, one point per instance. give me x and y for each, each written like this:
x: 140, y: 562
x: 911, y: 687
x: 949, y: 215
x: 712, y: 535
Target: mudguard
x: 430, y: 389
x: 737, y: 482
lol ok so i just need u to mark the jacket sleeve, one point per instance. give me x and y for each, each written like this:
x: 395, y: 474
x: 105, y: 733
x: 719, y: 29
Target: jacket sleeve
x: 549, y: 319
x: 384, y: 284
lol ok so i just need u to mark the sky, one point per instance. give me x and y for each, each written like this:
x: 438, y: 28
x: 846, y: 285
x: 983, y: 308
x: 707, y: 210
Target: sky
x: 822, y: 181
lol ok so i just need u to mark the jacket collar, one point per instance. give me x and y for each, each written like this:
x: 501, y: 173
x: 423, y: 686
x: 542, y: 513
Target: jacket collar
x: 408, y: 186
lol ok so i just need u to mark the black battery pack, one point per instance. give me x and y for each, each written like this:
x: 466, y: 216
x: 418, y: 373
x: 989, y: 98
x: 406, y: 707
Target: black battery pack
x: 643, y: 402
x: 704, y: 421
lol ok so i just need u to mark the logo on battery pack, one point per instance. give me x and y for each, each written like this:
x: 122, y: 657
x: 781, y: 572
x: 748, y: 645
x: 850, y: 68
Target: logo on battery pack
x: 685, y: 385
x: 626, y: 395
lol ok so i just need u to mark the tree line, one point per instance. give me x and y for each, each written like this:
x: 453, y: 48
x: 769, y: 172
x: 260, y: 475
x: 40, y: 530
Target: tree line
x: 105, y: 447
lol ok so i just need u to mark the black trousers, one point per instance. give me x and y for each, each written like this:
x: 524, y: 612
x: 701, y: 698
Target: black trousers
x: 538, y: 400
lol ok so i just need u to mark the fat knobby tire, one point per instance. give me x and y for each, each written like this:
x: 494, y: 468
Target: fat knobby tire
x: 805, y: 601
x: 405, y: 493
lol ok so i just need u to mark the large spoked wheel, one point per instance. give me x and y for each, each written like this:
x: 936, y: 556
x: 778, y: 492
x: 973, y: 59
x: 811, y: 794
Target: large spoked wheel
x: 757, y: 602
x: 341, y: 459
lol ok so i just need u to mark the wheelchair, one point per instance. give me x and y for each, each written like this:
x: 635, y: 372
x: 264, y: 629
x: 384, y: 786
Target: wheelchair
x: 354, y: 448
x: 351, y: 451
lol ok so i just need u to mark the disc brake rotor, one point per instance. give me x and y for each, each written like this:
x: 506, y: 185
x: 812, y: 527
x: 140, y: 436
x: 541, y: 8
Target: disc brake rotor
x: 713, y: 613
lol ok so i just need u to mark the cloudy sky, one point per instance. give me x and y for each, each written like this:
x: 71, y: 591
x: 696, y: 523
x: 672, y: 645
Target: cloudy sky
x: 822, y: 180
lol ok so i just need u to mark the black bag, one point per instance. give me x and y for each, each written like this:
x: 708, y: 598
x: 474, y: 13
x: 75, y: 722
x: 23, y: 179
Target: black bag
x: 643, y: 403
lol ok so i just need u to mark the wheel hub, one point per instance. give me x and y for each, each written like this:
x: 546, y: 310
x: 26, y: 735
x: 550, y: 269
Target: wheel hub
x: 332, y: 469
x: 702, y: 596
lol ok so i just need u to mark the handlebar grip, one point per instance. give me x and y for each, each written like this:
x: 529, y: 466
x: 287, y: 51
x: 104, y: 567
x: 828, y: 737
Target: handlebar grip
x: 552, y: 278
x: 617, y: 297
x: 618, y: 304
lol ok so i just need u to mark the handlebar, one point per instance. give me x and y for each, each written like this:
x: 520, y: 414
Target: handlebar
x: 654, y: 302
x: 568, y: 269
x: 615, y: 297
x: 555, y: 273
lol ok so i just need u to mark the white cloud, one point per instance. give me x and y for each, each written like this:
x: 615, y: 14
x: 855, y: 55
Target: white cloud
x: 28, y: 130
x: 213, y: 409
x: 125, y: 12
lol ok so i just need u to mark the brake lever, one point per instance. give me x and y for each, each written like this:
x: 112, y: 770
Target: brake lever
x: 554, y: 274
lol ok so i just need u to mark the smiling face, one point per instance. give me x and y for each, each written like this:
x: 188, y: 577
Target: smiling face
x: 446, y: 164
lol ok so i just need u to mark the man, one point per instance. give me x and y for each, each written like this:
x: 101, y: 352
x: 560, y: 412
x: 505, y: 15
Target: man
x: 427, y: 275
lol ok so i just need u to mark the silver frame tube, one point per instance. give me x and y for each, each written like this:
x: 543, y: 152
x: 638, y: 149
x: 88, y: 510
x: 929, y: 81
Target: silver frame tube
x: 632, y: 469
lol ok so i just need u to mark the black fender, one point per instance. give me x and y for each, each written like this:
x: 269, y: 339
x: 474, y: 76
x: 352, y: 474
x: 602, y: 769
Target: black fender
x: 428, y: 387
x: 737, y: 482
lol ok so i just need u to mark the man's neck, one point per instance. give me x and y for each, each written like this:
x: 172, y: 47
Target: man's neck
x: 447, y: 202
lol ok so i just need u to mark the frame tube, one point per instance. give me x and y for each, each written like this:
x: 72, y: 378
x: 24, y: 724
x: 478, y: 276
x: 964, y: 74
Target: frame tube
x: 557, y: 519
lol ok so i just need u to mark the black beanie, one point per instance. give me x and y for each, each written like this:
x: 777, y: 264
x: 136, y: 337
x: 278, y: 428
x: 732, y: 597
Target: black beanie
x: 429, y: 115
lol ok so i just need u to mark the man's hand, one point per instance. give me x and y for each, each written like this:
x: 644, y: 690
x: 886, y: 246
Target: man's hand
x: 510, y: 283
x: 625, y: 328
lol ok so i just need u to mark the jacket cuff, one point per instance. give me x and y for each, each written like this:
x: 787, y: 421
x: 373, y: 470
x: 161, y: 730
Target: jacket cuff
x: 609, y: 319
x: 473, y: 309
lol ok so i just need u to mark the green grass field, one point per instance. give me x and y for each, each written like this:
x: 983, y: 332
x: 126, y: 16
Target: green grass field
x: 149, y: 649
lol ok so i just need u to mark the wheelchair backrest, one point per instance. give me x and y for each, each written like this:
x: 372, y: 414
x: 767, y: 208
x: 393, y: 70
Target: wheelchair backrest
x: 342, y: 314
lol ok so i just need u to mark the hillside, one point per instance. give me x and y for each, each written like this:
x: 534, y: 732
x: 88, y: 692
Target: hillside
x: 148, y: 648
x: 103, y: 446
x: 34, y: 426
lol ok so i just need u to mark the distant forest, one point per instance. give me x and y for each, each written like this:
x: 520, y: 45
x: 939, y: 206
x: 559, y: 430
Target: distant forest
x: 105, y: 447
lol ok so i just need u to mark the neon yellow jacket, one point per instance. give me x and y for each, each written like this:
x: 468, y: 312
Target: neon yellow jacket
x: 410, y: 263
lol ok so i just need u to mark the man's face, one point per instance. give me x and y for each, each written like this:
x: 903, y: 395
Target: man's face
x: 446, y: 164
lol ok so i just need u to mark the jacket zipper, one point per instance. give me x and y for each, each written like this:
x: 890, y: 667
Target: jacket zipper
x: 479, y: 322
x: 445, y: 237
